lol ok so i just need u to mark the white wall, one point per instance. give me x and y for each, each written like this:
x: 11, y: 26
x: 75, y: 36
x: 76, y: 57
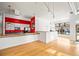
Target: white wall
x: 44, y: 22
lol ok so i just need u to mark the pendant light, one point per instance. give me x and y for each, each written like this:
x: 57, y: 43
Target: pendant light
x: 47, y: 7
x: 53, y: 11
x: 9, y: 7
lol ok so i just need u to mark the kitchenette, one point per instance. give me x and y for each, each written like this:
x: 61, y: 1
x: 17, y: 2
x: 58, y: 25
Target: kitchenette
x: 17, y: 31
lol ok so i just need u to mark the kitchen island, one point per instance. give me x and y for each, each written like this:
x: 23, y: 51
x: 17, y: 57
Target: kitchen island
x: 47, y: 36
x: 10, y: 40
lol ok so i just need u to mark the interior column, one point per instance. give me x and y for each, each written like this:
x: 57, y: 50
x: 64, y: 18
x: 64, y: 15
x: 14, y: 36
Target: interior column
x: 73, y: 29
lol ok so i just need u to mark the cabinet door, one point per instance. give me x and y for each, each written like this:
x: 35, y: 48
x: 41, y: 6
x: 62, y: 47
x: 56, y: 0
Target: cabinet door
x: 9, y: 26
x: 42, y: 37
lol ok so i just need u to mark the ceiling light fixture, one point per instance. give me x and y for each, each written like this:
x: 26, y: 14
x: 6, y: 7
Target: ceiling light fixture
x: 71, y: 12
x: 9, y: 7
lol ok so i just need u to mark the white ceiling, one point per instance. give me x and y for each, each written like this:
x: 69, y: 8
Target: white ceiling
x: 61, y: 9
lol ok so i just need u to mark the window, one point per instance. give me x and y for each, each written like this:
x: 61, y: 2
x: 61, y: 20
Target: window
x: 77, y: 32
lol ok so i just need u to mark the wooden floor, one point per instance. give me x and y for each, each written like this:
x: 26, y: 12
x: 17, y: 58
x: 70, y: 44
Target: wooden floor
x: 38, y: 48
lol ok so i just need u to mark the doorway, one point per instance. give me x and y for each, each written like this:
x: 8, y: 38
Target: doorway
x: 77, y: 32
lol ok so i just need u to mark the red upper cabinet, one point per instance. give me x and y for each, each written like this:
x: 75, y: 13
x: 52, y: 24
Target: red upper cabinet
x: 13, y: 20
